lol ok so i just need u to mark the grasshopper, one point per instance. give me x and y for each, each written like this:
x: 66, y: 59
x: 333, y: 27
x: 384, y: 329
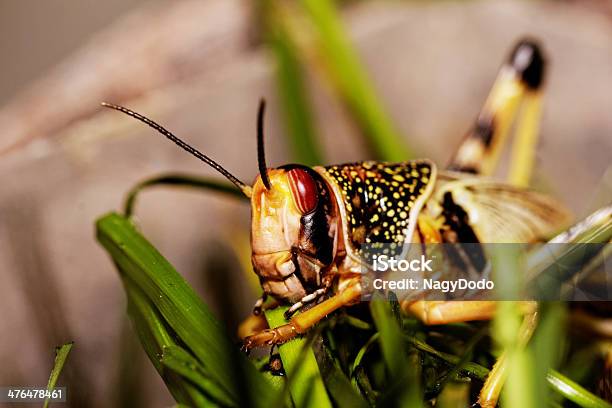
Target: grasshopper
x: 309, y: 224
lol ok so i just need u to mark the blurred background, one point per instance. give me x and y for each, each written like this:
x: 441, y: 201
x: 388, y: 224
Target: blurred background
x: 199, y: 68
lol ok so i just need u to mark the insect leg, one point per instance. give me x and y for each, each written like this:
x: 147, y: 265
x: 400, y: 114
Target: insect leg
x: 294, y: 308
x: 257, y: 307
x: 251, y: 325
x: 306, y: 299
x: 304, y: 321
x: 489, y: 394
x: 522, y: 158
x: 443, y: 312
x: 519, y: 77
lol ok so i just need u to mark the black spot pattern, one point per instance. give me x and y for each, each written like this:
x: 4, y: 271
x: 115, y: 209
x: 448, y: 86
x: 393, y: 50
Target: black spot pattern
x: 378, y: 198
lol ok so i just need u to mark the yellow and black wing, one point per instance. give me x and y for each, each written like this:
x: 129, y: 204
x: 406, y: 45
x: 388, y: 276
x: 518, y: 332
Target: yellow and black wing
x: 496, y: 212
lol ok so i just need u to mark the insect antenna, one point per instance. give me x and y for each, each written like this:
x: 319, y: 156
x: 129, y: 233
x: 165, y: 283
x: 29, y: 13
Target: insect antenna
x: 242, y: 186
x: 261, y: 154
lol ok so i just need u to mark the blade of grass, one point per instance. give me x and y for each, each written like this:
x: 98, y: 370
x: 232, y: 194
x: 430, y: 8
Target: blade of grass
x: 402, y: 373
x: 390, y: 338
x: 181, y: 362
x: 558, y: 382
x: 61, y: 355
x: 511, y: 334
x: 575, y: 392
x: 364, y: 384
x: 362, y: 352
x: 154, y: 335
x: 470, y: 369
x: 182, y: 180
x: 338, y: 385
x: 546, y: 345
x: 353, y: 83
x: 306, y: 383
x: 182, y: 309
x: 298, y: 118
x: 174, y: 364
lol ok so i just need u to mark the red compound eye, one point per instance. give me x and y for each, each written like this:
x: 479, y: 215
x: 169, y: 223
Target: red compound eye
x: 304, y: 189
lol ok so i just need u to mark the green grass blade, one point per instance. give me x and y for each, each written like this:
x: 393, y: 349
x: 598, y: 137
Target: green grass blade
x: 339, y: 386
x: 188, y: 317
x: 182, y: 180
x: 298, y: 118
x: 511, y: 331
x: 575, y: 392
x: 148, y: 324
x: 154, y: 336
x: 181, y: 362
x: 469, y: 369
x: 362, y: 352
x: 403, y: 379
x: 546, y: 346
x: 558, y: 382
x: 61, y: 355
x: 390, y: 338
x: 353, y: 83
x: 305, y: 381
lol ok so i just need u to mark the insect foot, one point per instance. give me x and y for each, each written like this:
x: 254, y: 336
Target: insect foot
x: 275, y: 365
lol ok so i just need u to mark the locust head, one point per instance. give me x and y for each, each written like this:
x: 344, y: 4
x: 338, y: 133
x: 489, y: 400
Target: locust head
x: 294, y: 223
x: 293, y: 231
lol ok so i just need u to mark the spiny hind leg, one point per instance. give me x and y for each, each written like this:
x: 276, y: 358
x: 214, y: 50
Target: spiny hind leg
x: 519, y: 81
x: 524, y: 146
x: 433, y: 312
x: 302, y: 322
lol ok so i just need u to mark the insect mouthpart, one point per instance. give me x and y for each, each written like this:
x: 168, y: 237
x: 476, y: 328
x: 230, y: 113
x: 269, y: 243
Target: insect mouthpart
x: 279, y: 275
x: 293, y: 232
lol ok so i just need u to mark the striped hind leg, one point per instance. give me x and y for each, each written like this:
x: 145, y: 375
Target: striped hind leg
x: 518, y: 85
